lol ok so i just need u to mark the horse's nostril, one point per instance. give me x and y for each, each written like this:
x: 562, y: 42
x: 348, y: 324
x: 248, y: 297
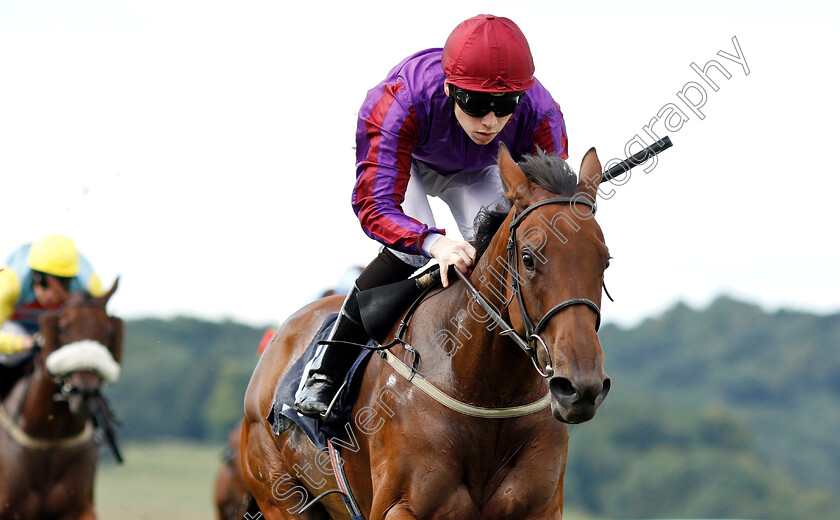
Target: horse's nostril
x: 562, y: 387
x: 605, y: 389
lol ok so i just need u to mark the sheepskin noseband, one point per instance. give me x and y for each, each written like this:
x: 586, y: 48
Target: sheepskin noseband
x: 84, y: 355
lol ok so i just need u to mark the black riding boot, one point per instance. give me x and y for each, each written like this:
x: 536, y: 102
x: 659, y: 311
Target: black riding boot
x: 326, y: 370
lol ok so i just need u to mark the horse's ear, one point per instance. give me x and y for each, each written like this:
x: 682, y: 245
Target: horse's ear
x: 511, y: 173
x: 107, y: 296
x: 590, y: 174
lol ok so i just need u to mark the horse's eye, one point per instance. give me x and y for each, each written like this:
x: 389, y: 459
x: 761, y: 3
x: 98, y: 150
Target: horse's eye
x: 528, y: 261
x: 608, y: 263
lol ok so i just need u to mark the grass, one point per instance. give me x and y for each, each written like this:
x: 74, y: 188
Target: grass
x: 167, y: 481
x: 164, y: 481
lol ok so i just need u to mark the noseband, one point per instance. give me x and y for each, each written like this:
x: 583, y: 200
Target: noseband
x: 532, y: 332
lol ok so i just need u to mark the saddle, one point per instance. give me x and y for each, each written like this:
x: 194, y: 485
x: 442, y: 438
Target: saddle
x: 282, y: 414
x: 380, y: 308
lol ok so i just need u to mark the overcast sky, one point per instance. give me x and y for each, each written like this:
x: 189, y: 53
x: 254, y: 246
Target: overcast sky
x: 203, y: 150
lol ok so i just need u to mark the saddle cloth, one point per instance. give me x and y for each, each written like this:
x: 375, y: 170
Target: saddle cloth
x: 283, y: 413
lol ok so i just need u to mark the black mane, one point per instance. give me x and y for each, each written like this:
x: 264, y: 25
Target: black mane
x: 550, y: 172
x: 487, y: 222
x: 547, y: 171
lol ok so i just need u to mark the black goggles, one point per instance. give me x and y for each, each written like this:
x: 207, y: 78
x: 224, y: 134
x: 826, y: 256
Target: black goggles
x: 479, y: 104
x: 39, y: 278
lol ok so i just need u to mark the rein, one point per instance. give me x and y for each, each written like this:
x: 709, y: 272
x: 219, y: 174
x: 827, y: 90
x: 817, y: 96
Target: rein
x: 527, y: 344
x: 411, y: 375
x: 102, y: 418
x: 17, y: 434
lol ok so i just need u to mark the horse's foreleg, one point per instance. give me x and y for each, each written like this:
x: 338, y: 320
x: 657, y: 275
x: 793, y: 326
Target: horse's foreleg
x: 285, y: 499
x: 279, y: 495
x: 272, y: 509
x: 247, y: 509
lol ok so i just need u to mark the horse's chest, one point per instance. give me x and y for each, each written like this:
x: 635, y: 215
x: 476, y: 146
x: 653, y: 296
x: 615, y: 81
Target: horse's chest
x: 470, y: 469
x: 476, y: 489
x: 48, y: 483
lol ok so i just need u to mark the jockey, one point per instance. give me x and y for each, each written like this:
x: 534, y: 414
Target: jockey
x: 37, y: 277
x: 433, y: 127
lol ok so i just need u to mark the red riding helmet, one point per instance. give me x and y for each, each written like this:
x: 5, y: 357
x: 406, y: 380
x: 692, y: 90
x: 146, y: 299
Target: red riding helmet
x: 488, y: 54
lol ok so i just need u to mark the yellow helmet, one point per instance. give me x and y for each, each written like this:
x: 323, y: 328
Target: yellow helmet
x: 55, y: 255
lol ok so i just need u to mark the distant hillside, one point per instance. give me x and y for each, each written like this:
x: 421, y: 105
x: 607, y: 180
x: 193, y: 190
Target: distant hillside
x: 779, y: 372
x: 184, y: 378
x: 724, y: 412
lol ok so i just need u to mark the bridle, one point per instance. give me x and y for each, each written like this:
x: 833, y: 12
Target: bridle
x: 532, y: 337
x: 63, y: 392
x: 103, y: 419
x: 527, y: 344
x: 64, y: 388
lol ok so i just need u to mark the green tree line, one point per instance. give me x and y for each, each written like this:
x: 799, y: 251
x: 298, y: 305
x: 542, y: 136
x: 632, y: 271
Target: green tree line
x: 728, y: 411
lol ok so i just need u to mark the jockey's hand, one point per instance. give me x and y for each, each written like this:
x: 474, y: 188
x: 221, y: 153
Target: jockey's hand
x: 29, y: 342
x: 449, y: 252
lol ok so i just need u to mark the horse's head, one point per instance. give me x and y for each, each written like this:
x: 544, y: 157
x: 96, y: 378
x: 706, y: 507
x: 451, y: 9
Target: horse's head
x: 82, y: 348
x: 558, y: 253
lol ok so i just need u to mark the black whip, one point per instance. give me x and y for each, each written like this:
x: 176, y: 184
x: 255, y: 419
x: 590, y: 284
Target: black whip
x: 637, y: 158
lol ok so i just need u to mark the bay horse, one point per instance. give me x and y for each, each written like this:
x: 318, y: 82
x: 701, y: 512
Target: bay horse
x: 485, y: 435
x: 229, y: 491
x: 48, y: 450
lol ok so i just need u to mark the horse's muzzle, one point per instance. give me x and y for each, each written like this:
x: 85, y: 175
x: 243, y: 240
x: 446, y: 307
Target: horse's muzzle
x: 81, y: 391
x: 576, y: 401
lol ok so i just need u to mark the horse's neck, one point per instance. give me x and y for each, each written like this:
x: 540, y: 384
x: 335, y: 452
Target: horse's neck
x: 470, y: 357
x: 41, y: 415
